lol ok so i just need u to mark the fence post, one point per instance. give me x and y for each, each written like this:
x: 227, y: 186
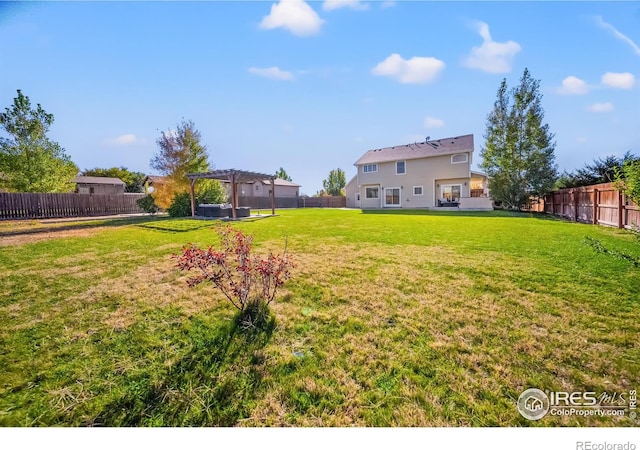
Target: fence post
x: 595, y: 206
x: 575, y: 205
x: 620, y: 209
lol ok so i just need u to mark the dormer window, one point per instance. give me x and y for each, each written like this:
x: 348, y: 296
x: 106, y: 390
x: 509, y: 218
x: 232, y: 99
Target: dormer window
x: 459, y: 158
x: 401, y: 167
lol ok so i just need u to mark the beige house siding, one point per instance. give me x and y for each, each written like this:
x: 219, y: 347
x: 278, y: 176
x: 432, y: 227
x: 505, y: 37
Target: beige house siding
x: 90, y: 188
x: 263, y: 190
x: 427, y: 173
x: 351, y: 193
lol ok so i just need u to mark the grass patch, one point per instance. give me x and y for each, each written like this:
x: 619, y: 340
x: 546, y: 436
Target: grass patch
x: 407, y: 318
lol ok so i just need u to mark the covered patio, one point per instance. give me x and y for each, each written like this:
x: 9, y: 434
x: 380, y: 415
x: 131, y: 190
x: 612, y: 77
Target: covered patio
x: 233, y: 177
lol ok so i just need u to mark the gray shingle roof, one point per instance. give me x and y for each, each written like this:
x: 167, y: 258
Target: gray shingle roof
x: 446, y: 146
x: 98, y: 180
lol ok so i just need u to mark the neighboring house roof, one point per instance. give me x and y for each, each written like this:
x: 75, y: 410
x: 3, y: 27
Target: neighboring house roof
x: 281, y: 182
x: 446, y: 146
x: 99, y: 180
x: 479, y: 174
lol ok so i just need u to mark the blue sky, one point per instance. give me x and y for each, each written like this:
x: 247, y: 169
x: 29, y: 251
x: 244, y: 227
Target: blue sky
x: 311, y: 86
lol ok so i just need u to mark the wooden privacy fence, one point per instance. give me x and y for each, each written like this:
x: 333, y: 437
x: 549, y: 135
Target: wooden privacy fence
x: 42, y: 206
x: 265, y: 202
x: 323, y: 202
x: 293, y: 202
x: 599, y: 204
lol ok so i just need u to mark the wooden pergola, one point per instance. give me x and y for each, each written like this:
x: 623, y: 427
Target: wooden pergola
x: 233, y: 177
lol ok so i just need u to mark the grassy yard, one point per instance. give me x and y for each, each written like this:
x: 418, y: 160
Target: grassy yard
x: 391, y: 319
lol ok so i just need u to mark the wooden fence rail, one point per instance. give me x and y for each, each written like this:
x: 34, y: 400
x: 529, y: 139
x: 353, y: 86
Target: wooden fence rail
x: 599, y: 204
x: 43, y: 206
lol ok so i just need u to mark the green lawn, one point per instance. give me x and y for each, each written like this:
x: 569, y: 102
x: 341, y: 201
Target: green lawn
x: 402, y: 318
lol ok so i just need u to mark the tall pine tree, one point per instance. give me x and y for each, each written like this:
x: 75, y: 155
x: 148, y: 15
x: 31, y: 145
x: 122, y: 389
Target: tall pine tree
x: 518, y: 155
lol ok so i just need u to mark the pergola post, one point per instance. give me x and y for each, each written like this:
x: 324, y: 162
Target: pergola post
x: 234, y: 196
x: 273, y: 197
x: 192, y: 183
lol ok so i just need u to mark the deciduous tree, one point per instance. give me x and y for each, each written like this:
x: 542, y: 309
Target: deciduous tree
x: 519, y: 150
x: 181, y: 153
x: 335, y: 183
x: 29, y: 161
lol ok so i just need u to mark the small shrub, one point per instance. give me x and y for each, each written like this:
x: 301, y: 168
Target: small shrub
x: 147, y: 204
x: 249, y: 282
x: 209, y: 191
x: 181, y: 205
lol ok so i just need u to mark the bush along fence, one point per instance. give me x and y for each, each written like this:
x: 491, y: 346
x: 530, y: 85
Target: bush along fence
x: 43, y: 206
x: 599, y: 204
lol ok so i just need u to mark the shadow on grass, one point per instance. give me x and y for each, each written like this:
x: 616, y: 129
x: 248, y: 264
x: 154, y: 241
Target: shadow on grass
x: 177, y: 225
x: 213, y: 384
x: 436, y: 213
x: 79, y: 226
x: 496, y: 213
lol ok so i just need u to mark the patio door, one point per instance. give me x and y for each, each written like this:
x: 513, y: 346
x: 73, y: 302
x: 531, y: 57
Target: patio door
x: 392, y: 197
x: 451, y: 192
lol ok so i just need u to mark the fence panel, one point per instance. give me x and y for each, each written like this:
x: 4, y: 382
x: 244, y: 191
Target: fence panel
x: 322, y: 202
x: 42, y: 206
x: 599, y: 204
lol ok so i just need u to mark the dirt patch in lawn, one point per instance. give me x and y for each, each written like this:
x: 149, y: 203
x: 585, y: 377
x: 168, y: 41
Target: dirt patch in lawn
x: 45, y: 235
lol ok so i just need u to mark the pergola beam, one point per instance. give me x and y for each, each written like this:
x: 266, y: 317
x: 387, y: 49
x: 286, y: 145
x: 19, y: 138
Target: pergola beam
x: 233, y: 177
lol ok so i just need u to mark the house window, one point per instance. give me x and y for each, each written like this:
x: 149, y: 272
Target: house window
x: 371, y: 192
x: 392, y: 196
x: 417, y: 190
x: 459, y: 158
x: 368, y: 168
x: 401, y: 167
x: 451, y: 192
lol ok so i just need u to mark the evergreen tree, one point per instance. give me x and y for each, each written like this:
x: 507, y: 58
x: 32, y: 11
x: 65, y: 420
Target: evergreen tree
x: 519, y: 150
x: 283, y: 175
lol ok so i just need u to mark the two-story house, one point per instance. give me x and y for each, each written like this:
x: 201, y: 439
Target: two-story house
x: 429, y: 174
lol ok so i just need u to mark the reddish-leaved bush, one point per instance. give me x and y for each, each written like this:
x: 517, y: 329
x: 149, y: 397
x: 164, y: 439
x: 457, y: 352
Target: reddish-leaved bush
x: 250, y: 282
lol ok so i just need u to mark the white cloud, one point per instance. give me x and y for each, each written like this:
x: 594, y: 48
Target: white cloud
x: 432, y: 122
x: 294, y: 15
x: 624, y: 80
x: 330, y: 5
x: 491, y: 56
x: 573, y: 86
x: 600, y: 107
x: 273, y: 73
x: 416, y: 70
x: 387, y: 4
x: 607, y: 26
x: 125, y: 139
